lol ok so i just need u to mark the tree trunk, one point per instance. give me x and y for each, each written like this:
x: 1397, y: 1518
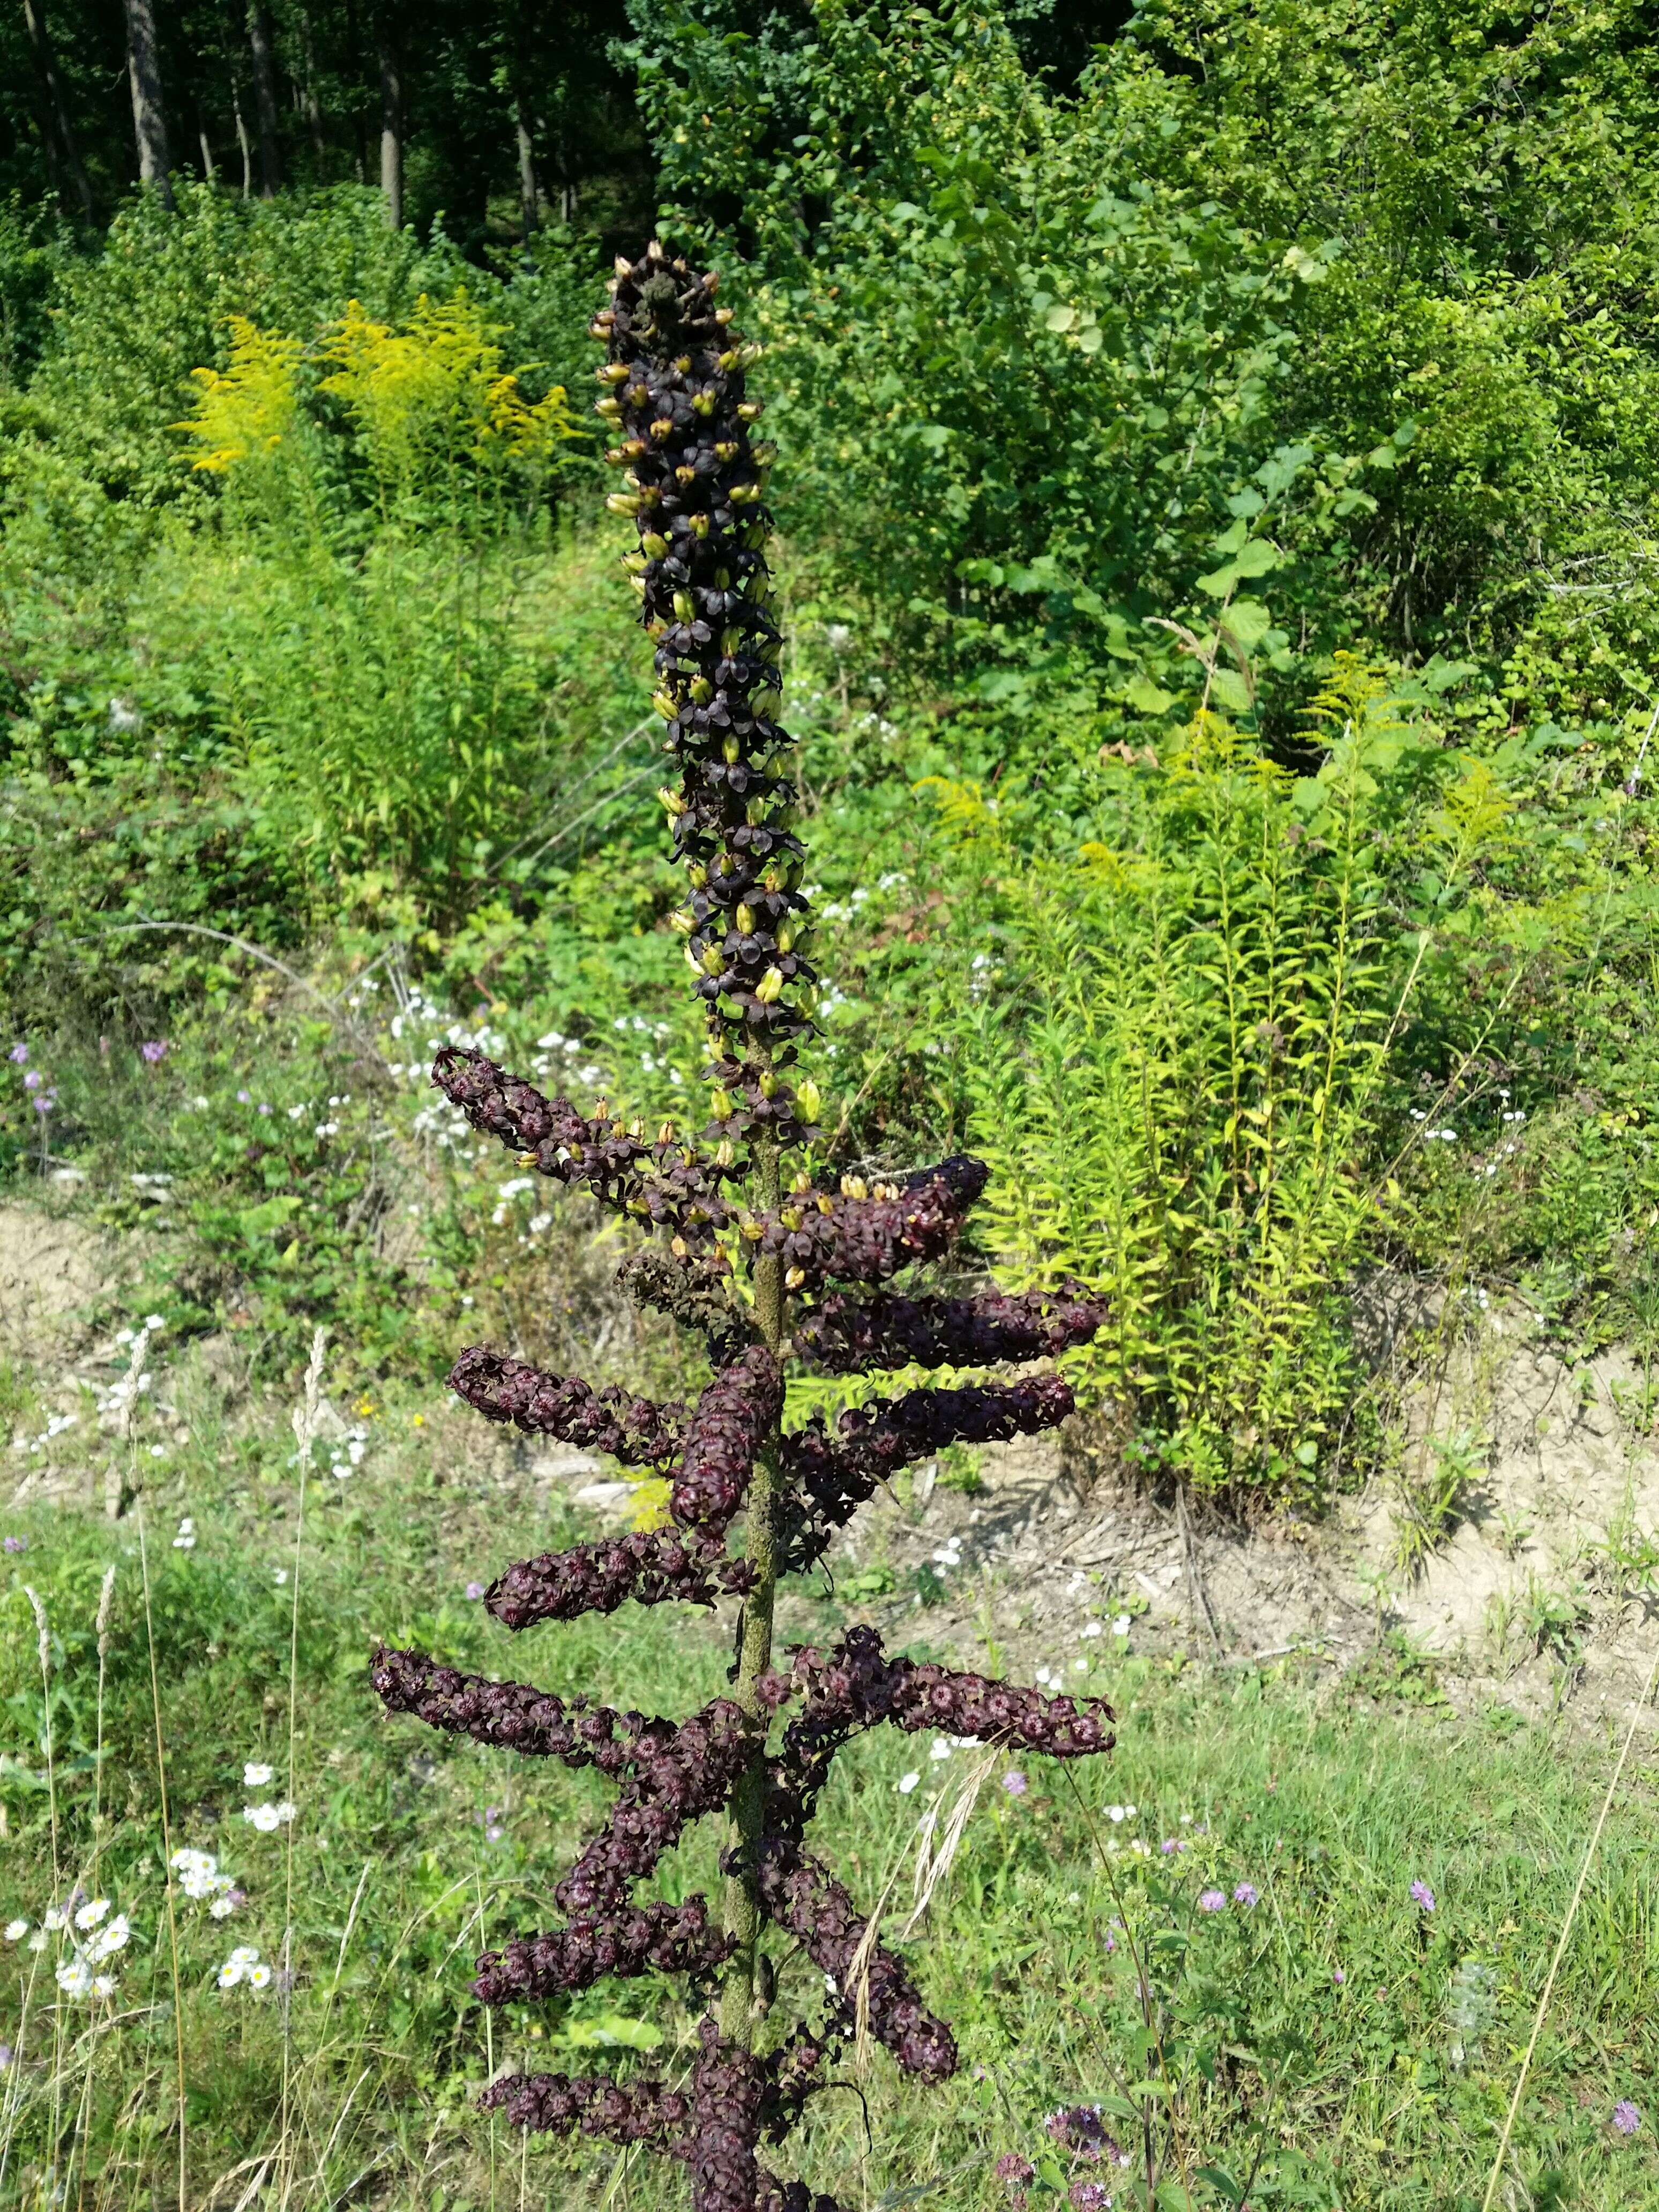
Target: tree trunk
x: 314, y: 106
x: 210, y: 167
x: 392, y: 119
x: 529, y: 197
x: 244, y: 142
x: 149, y: 126
x: 525, y: 14
x: 56, y: 131
x: 265, y: 96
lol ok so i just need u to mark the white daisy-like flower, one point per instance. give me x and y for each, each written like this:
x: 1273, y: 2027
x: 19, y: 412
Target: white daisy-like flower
x: 941, y: 1748
x: 15, y: 1930
x: 906, y: 1783
x: 56, y: 1918
x: 267, y: 1818
x: 92, y: 1912
x: 245, y: 1954
x: 258, y: 1977
x: 229, y: 1974
x: 222, y: 1907
x: 108, y: 1940
x: 1120, y: 1625
x: 75, y: 1976
x: 256, y: 1775
x: 1093, y: 1628
x: 188, y: 1861
x: 38, y: 1940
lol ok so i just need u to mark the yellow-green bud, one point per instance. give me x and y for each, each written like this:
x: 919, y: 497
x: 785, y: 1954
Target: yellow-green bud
x: 610, y: 408
x: 611, y: 372
x: 725, y: 1152
x: 624, y: 502
x: 809, y: 1101
x: 713, y: 960
x: 720, y: 1104
x: 730, y: 640
x: 654, y: 543
x: 745, y: 922
x: 665, y: 704
x: 697, y: 876
x: 665, y: 1135
x: 732, y: 750
x: 682, y: 922
x: 635, y: 563
x: 701, y: 690
x: 704, y: 402
x: 685, y: 606
x: 749, y: 411
x: 699, y: 525
x: 786, y: 936
x: 767, y: 702
x: 769, y: 986
x: 767, y: 1084
x: 671, y: 800
x: 745, y: 495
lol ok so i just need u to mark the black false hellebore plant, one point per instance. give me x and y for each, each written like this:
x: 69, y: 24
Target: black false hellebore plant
x: 675, y: 399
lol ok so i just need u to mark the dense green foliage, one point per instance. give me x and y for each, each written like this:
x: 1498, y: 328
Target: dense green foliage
x: 1216, y: 487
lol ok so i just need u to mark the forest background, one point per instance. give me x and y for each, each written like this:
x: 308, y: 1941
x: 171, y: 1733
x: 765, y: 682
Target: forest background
x: 1216, y: 487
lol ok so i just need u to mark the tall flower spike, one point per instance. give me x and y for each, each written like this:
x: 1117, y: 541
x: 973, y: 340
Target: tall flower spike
x: 675, y: 398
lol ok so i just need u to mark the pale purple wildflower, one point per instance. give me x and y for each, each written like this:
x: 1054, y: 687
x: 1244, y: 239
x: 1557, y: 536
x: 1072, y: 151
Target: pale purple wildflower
x: 34, y: 1079
x: 475, y: 1589
x: 1088, y: 2196
x: 1626, y: 2118
x: 154, y: 1050
x: 245, y: 1098
x: 18, y: 1055
x: 1211, y: 1900
x: 16, y: 1543
x: 45, y: 1102
x: 1423, y: 1895
x: 5, y: 2057
x: 1338, y: 1976
x: 1015, y: 1783
x: 1245, y: 1894
x: 1170, y: 1845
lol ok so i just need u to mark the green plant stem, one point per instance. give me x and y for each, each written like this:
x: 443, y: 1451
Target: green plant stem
x: 748, y: 1821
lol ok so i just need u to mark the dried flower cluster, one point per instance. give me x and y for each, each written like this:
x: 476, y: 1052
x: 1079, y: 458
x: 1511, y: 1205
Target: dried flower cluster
x: 675, y: 397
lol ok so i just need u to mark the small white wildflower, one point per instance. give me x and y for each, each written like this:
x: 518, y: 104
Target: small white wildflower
x: 1120, y: 1625
x: 38, y: 1940
x: 1117, y: 1813
x: 245, y: 1954
x: 92, y: 1912
x: 15, y: 1930
x: 1092, y: 1628
x: 75, y: 1976
x: 258, y: 1977
x: 104, y: 1985
x: 229, y: 1974
x: 941, y: 1749
x: 56, y: 1918
x: 256, y: 1775
x: 222, y: 1907
x: 110, y: 1940
x: 906, y: 1783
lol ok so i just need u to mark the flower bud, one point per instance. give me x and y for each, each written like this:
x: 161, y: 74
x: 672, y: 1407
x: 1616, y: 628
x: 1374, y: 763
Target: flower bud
x: 699, y: 525
x: 685, y: 606
x: 705, y: 402
x: 745, y: 495
x: 668, y: 706
x: 665, y: 1135
x: 731, y: 750
x: 654, y: 543
x: 749, y: 411
x: 671, y: 800
x: 720, y: 1104
x: 769, y: 986
x: 682, y: 922
x: 701, y: 690
x: 624, y: 502
x: 713, y: 960
x: 697, y: 876
x: 768, y: 702
x: 725, y: 1152
x: 635, y: 563
x: 610, y: 407
x: 744, y: 918
x: 768, y: 1083
x: 793, y: 1278
x: 809, y: 1101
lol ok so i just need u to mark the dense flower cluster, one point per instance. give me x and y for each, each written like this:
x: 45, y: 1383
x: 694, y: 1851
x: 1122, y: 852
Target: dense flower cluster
x: 675, y: 399
x: 842, y: 1336
x: 735, y: 1416
x: 636, y: 1430
x: 835, y: 1474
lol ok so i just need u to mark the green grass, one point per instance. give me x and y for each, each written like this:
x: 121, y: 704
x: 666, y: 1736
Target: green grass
x: 1250, y: 2055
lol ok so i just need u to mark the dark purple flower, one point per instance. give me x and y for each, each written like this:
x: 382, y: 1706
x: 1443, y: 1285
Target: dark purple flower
x: 1088, y: 2196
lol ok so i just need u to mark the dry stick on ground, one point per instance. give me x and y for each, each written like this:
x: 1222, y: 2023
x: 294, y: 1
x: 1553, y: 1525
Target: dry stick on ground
x: 1566, y: 1931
